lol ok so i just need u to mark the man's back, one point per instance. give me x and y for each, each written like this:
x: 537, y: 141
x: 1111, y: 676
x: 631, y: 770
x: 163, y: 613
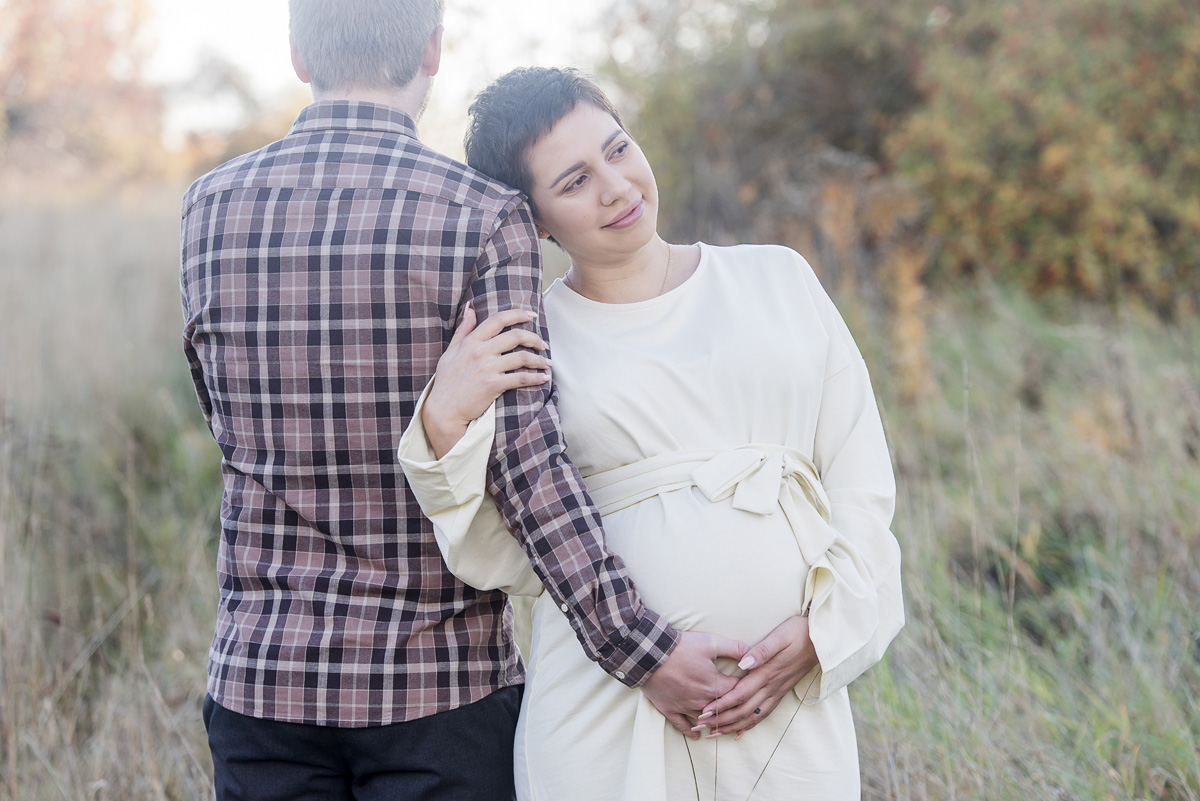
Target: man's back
x: 321, y: 278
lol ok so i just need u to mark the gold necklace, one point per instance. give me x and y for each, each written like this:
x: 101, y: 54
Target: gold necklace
x: 569, y: 281
x: 666, y: 272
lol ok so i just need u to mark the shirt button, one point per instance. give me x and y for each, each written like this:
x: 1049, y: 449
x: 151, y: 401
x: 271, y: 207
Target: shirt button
x: 620, y: 674
x: 564, y: 607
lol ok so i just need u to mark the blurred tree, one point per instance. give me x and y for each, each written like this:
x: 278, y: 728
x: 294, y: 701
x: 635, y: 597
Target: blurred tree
x: 246, y: 122
x: 72, y: 96
x: 730, y: 95
x: 1060, y: 146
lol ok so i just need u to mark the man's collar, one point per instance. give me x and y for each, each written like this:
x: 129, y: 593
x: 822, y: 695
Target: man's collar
x: 349, y: 115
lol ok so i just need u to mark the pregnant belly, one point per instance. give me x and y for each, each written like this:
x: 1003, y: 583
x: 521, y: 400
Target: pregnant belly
x: 709, y: 567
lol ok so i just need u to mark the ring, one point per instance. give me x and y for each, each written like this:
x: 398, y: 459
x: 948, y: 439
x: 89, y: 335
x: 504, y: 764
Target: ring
x: 758, y: 711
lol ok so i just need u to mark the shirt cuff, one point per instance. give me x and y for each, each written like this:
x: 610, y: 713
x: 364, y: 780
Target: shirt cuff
x: 632, y: 660
x: 453, y: 479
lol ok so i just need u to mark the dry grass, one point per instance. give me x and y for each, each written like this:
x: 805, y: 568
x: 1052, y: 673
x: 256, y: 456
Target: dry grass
x: 1050, y: 494
x: 1049, y: 517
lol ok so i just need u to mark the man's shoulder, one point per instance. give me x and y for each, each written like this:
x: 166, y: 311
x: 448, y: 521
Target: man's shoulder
x: 231, y: 174
x: 358, y: 160
x: 458, y: 183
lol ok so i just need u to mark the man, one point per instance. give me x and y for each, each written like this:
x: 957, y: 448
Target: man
x: 322, y: 277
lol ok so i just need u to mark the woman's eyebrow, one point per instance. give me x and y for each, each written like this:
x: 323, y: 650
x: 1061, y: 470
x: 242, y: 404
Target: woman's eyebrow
x: 580, y: 165
x: 576, y: 166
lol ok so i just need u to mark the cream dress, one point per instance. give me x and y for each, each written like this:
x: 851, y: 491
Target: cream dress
x: 729, y: 435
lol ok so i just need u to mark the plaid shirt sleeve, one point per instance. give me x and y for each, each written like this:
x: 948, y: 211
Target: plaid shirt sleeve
x: 543, y: 498
x: 195, y: 366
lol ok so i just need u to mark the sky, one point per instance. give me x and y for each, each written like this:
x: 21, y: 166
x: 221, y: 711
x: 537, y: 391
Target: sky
x: 482, y: 40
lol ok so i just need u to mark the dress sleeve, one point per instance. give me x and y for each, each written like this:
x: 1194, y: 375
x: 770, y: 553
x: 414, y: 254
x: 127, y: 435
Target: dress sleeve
x: 540, y: 494
x: 470, y: 533
x: 853, y: 591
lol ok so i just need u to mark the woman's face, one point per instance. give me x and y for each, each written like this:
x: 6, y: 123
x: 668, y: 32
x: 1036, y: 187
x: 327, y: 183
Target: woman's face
x: 592, y: 187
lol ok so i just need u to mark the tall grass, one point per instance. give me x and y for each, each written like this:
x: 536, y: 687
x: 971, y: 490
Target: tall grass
x: 1050, y: 494
x: 108, y: 500
x: 1050, y: 522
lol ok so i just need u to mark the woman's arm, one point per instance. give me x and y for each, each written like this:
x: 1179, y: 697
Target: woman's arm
x: 854, y: 590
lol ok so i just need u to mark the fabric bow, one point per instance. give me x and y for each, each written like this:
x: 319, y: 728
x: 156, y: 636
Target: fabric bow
x: 760, y: 481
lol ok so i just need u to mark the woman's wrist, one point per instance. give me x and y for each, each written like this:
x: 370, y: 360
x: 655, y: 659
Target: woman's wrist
x: 442, y: 434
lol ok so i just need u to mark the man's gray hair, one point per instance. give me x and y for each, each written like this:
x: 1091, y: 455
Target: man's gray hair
x: 363, y: 43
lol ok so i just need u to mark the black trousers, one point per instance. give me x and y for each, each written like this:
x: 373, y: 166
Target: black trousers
x: 465, y: 754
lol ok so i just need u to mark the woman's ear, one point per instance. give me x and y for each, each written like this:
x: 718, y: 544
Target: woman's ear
x: 542, y: 232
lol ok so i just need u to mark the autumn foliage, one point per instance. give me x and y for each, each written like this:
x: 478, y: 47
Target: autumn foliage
x: 1055, y: 146
x: 1060, y: 146
x: 74, y: 107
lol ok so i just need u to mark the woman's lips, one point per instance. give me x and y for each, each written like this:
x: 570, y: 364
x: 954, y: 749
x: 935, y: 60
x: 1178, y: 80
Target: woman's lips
x: 630, y: 217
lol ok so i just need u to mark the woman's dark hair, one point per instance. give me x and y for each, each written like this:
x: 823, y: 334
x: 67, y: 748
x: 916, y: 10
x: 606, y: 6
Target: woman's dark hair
x: 520, y: 108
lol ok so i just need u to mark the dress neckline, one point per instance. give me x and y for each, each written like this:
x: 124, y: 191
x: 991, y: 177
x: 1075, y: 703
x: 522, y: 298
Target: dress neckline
x: 561, y: 290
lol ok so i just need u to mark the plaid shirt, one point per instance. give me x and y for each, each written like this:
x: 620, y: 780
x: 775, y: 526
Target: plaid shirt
x: 322, y: 278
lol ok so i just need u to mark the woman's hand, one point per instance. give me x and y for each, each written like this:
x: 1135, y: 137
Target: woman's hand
x: 689, y: 677
x: 480, y: 364
x: 776, y: 665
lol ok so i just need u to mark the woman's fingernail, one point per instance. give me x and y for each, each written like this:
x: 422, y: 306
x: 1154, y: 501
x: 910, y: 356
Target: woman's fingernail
x: 699, y: 728
x: 705, y: 716
x: 739, y: 736
x: 747, y: 662
x: 714, y: 735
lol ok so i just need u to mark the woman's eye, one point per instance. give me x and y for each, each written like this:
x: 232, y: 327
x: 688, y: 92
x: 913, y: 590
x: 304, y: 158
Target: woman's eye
x: 620, y: 150
x: 576, y: 184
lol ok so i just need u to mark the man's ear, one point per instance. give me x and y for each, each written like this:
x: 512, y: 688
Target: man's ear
x: 432, y: 61
x: 298, y: 63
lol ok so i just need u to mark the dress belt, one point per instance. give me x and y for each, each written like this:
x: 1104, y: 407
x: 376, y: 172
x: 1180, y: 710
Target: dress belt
x: 761, y: 479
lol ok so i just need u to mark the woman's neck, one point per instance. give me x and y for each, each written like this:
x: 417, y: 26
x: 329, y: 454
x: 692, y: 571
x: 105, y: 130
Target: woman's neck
x: 646, y: 273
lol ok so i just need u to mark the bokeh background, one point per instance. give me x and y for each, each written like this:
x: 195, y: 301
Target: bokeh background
x: 1002, y: 195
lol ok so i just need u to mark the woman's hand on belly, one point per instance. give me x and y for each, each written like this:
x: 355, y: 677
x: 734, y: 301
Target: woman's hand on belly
x: 685, y: 682
x: 776, y: 665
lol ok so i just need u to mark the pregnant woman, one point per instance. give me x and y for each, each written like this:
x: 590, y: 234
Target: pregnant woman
x: 723, y: 419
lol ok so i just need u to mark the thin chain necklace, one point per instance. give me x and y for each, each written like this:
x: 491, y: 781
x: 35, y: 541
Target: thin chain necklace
x: 666, y: 272
x: 662, y: 288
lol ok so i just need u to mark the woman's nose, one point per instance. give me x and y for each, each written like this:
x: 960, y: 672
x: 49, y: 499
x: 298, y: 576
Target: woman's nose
x: 615, y: 186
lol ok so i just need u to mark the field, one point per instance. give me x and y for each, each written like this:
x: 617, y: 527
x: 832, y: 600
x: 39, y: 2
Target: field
x: 1049, y: 480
